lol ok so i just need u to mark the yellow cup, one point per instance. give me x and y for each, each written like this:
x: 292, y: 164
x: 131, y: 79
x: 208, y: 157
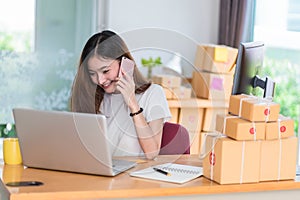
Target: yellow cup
x: 12, y: 173
x: 11, y: 151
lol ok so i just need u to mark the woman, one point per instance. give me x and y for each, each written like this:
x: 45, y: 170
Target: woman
x: 135, y: 109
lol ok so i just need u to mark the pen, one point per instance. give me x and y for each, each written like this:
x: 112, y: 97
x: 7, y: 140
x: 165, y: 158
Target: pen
x: 162, y: 171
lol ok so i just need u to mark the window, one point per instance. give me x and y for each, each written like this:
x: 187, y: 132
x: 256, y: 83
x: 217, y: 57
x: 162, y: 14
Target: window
x: 17, y: 25
x: 40, y: 42
x: 278, y: 25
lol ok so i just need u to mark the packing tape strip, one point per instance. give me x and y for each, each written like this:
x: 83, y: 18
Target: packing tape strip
x: 254, y: 128
x: 267, y: 115
x: 241, y: 103
x: 279, y: 125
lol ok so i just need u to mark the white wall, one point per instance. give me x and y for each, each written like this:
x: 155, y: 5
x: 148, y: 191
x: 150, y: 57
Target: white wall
x: 163, y: 27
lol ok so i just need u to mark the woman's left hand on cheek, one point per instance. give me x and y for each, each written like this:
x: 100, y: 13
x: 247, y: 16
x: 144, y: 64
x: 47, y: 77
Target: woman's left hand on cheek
x: 127, y: 88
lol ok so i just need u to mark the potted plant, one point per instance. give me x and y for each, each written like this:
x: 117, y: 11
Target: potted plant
x: 150, y: 63
x: 7, y: 130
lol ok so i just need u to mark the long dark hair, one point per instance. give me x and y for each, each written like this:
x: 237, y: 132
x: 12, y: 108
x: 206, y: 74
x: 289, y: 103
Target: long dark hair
x: 87, y: 96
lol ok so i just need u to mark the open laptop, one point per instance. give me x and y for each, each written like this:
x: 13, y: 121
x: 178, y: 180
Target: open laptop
x: 66, y: 141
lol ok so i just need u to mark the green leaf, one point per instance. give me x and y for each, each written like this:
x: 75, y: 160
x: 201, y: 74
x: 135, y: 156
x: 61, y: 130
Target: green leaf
x: 157, y: 61
x: 150, y: 63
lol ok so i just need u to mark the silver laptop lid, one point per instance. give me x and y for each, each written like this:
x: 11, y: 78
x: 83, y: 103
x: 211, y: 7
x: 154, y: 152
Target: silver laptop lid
x: 64, y: 141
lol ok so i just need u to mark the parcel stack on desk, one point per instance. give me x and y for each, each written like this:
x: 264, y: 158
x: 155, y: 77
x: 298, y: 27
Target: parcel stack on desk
x: 175, y: 91
x: 190, y: 117
x: 257, y: 143
x: 212, y: 80
x: 169, y: 83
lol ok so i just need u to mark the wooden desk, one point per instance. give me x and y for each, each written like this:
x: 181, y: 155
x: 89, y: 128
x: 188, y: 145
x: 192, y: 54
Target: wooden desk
x: 64, y: 185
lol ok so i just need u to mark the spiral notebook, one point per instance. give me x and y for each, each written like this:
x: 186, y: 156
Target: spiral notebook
x: 170, y: 172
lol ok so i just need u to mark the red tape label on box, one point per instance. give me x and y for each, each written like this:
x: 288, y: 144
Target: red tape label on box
x: 267, y: 111
x: 252, y: 130
x: 282, y: 129
x: 212, y: 158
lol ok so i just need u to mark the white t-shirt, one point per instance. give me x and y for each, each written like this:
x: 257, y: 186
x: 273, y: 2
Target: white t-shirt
x: 121, y: 130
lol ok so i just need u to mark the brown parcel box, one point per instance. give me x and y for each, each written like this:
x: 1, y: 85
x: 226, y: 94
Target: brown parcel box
x: 168, y: 92
x: 220, y: 121
x: 210, y: 116
x: 240, y: 129
x: 175, y: 115
x: 168, y: 81
x: 191, y: 118
x: 216, y: 58
x: 212, y: 86
x: 253, y: 108
x: 231, y: 161
x: 278, y: 159
x: 182, y: 93
x: 283, y: 128
x: 194, y: 142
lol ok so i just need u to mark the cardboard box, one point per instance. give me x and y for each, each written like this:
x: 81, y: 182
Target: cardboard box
x: 210, y: 116
x: 220, y: 59
x: 200, y: 56
x: 253, y: 109
x: 175, y: 115
x: 168, y: 81
x: 220, y: 122
x: 212, y: 86
x: 216, y: 58
x: 231, y: 161
x: 191, y: 118
x: 182, y: 93
x: 168, y: 93
x: 278, y: 159
x: 202, y: 140
x: 240, y: 129
x: 283, y: 128
x: 195, y: 142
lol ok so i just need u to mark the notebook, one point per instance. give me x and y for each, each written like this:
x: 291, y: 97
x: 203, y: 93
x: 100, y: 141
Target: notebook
x: 170, y: 172
x: 66, y: 141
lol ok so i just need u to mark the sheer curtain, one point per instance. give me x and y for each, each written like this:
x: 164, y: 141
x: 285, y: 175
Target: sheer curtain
x: 236, y: 22
x: 42, y: 78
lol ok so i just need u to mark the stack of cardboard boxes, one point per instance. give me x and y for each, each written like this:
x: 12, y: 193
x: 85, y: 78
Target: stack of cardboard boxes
x: 169, y: 83
x: 216, y: 64
x: 186, y: 116
x: 256, y: 144
x: 213, y: 81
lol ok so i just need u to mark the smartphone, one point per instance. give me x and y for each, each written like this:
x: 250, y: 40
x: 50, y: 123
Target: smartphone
x: 126, y: 67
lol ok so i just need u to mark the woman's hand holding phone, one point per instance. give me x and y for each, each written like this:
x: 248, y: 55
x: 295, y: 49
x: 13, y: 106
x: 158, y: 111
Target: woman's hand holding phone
x: 126, y: 86
x: 125, y: 83
x: 126, y: 67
